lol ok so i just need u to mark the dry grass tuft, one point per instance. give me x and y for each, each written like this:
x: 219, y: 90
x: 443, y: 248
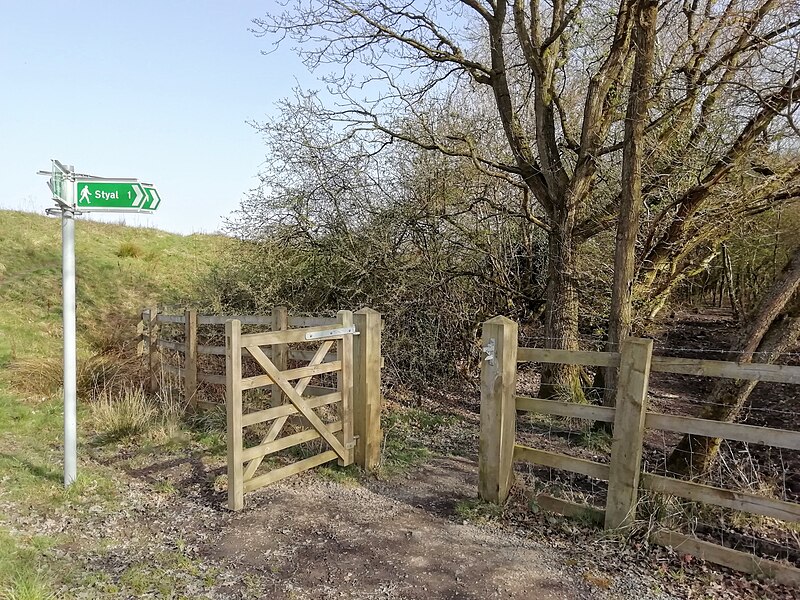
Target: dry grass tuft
x: 170, y: 412
x: 121, y: 415
x: 111, y: 332
x: 130, y: 250
x: 37, y: 376
x: 44, y: 376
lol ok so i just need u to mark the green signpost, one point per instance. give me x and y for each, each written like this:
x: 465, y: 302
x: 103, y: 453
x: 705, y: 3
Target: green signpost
x: 58, y: 182
x: 75, y: 194
x: 115, y: 195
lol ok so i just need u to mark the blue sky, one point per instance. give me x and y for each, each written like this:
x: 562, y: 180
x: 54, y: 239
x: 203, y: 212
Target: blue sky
x: 161, y: 91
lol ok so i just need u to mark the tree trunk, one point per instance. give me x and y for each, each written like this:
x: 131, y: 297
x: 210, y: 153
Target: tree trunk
x: 732, y: 297
x: 773, y: 330
x: 621, y: 315
x: 561, y: 312
x: 658, y: 295
x: 695, y: 454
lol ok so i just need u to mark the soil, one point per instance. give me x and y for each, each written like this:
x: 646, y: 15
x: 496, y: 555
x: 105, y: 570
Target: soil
x: 318, y: 539
x: 394, y: 540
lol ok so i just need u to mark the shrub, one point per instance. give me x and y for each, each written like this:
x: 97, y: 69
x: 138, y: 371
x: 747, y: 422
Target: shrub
x: 431, y: 305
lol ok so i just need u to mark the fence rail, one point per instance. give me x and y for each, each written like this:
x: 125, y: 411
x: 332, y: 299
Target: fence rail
x: 667, y: 364
x: 498, y: 447
x: 152, y: 344
x: 294, y: 322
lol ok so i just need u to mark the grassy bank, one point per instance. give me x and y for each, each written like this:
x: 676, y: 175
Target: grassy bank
x: 119, y: 270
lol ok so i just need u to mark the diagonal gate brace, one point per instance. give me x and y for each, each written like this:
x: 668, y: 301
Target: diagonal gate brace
x: 277, y: 426
x: 296, y: 399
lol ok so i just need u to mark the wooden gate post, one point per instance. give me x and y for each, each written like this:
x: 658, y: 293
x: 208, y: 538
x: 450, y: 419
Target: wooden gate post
x: 626, y: 448
x: 233, y: 405
x: 152, y: 348
x: 498, y: 409
x: 344, y: 350
x: 367, y: 388
x: 280, y: 352
x: 190, y: 357
x: 140, y: 332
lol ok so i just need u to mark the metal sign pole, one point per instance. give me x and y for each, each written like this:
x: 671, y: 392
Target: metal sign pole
x: 70, y: 342
x: 97, y: 194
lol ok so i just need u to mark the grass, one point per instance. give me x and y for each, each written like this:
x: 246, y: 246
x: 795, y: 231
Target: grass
x: 342, y: 475
x: 405, y: 433
x: 208, y: 429
x: 31, y: 456
x: 598, y: 441
x: 120, y: 270
x: 111, y: 290
x: 21, y: 576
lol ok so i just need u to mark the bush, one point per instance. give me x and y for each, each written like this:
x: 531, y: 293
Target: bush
x: 432, y: 302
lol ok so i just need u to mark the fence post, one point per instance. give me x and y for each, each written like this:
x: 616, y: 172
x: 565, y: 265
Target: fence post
x: 280, y: 353
x: 498, y: 409
x: 344, y: 351
x: 626, y: 448
x: 367, y: 388
x: 190, y: 357
x: 152, y: 348
x: 140, y: 332
x: 233, y: 405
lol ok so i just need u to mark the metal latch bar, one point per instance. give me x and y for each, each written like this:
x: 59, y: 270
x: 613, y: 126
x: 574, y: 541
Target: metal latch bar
x: 338, y: 332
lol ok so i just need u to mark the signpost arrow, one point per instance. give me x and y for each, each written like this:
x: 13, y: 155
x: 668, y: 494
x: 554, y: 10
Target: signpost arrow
x: 115, y: 195
x: 139, y: 196
x: 153, y: 199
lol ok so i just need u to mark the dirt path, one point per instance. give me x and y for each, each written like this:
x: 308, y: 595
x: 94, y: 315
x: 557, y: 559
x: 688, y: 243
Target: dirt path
x: 312, y: 538
x: 325, y: 540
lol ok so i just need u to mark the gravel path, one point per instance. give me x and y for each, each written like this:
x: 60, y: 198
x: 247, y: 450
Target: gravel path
x: 309, y: 538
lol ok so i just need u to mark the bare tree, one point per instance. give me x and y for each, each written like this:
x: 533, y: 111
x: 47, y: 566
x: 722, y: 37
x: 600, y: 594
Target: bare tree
x: 555, y: 75
x: 631, y: 201
x: 428, y: 239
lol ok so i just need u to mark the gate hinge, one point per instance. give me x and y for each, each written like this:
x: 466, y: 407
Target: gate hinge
x: 338, y: 332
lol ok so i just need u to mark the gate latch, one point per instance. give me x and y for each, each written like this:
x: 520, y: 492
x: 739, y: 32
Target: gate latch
x: 320, y: 335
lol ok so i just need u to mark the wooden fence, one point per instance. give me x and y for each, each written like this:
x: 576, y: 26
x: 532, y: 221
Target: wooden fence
x: 367, y: 363
x: 499, y: 450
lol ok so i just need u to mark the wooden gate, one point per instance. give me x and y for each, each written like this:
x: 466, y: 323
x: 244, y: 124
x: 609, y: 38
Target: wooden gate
x: 292, y: 396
